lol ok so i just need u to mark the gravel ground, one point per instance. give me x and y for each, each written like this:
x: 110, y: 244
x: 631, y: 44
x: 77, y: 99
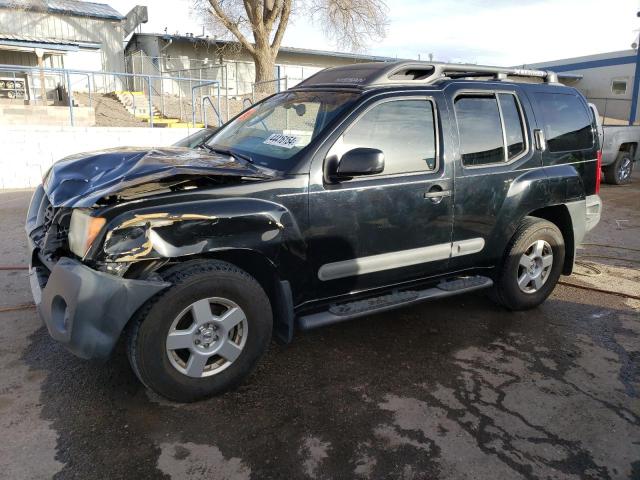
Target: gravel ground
x: 456, y: 388
x: 109, y: 111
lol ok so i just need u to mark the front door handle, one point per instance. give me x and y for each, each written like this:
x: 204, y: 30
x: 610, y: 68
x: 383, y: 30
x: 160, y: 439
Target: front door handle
x: 436, y: 194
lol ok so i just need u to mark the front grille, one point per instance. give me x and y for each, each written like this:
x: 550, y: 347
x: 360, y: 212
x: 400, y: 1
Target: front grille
x: 51, y: 227
x: 48, y: 215
x: 43, y: 217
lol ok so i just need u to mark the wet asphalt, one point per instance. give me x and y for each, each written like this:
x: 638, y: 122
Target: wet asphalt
x: 455, y: 389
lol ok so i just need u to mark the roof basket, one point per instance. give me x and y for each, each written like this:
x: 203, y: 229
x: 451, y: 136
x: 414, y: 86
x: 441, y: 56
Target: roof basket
x: 413, y: 73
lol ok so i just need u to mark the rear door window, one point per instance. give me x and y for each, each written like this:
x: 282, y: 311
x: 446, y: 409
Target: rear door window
x: 481, y: 139
x: 491, y: 128
x: 567, y: 124
x: 513, y: 128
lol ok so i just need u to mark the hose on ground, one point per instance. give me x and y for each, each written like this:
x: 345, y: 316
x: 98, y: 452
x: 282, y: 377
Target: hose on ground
x: 618, y: 247
x: 600, y: 290
x: 15, y: 308
x: 610, y: 258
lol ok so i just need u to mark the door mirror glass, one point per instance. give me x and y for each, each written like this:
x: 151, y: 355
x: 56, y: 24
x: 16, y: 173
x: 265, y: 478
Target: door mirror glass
x: 360, y: 161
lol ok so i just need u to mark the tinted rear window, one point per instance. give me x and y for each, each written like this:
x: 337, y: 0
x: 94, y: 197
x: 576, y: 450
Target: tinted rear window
x: 567, y: 124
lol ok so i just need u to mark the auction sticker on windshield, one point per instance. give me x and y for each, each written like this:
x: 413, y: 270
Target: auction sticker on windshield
x: 281, y: 140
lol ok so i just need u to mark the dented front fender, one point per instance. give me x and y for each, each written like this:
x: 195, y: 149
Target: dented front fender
x: 194, y: 228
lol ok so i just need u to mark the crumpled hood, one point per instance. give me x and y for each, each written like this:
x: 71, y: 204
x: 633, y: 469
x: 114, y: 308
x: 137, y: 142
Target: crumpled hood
x: 82, y: 179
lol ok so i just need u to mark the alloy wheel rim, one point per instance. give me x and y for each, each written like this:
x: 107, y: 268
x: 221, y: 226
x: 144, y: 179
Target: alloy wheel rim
x: 207, y: 337
x: 535, y: 266
x: 625, y: 169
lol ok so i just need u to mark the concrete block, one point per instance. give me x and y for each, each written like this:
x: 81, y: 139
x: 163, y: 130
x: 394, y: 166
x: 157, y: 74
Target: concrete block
x: 27, y: 151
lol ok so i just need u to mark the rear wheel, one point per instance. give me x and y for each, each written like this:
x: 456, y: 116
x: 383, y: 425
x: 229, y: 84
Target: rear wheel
x: 619, y: 172
x: 203, y: 335
x: 532, y: 265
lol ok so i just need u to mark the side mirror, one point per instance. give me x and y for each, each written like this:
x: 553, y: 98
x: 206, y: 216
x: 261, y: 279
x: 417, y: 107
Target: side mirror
x: 360, y: 161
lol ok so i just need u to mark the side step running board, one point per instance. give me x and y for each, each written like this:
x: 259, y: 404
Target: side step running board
x: 347, y: 311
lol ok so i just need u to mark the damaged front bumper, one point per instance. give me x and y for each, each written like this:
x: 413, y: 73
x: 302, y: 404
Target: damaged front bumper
x: 84, y: 309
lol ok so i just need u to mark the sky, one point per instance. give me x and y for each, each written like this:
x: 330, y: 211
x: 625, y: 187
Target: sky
x: 494, y: 32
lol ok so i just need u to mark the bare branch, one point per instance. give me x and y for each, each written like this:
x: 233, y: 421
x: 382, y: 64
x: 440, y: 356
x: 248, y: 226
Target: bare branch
x: 272, y: 9
x: 351, y: 23
x: 282, y: 26
x: 248, y: 6
x: 233, y: 27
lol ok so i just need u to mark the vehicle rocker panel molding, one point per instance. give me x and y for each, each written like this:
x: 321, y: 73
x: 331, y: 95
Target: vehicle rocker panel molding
x: 399, y: 259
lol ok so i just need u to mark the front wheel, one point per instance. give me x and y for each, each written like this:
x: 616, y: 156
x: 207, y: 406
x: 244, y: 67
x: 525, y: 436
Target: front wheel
x: 531, y: 266
x: 619, y: 172
x: 203, y: 335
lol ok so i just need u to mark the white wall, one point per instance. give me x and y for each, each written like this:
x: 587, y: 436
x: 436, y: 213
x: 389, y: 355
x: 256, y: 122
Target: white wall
x: 84, y: 59
x: 26, y: 152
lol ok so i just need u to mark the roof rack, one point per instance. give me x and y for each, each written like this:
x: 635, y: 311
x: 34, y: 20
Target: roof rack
x: 370, y: 74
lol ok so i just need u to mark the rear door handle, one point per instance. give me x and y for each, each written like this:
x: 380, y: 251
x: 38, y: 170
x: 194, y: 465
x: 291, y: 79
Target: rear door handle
x: 538, y: 135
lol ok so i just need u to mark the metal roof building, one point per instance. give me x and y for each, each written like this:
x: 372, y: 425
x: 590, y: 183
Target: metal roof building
x: 62, y: 34
x: 188, y: 55
x: 65, y: 7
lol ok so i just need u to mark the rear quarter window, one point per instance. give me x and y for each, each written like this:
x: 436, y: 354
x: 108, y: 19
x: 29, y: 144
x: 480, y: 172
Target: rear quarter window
x: 567, y: 123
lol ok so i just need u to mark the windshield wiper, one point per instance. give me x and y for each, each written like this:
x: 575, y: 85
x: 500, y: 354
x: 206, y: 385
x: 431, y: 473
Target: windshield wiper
x: 227, y: 151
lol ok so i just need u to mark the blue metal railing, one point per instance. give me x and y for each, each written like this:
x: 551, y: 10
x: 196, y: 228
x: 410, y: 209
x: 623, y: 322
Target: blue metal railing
x: 66, y: 74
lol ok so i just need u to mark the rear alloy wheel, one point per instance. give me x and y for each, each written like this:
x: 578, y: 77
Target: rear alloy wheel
x: 531, y: 266
x: 535, y: 266
x: 619, y: 172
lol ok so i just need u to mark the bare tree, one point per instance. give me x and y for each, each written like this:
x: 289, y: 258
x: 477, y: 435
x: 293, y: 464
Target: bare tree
x: 351, y: 23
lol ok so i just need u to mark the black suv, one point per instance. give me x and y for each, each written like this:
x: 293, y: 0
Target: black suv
x: 362, y: 189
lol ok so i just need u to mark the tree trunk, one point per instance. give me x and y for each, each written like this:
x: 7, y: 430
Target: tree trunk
x: 265, y: 63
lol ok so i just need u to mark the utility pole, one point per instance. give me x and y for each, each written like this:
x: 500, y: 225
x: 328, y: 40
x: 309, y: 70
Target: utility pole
x: 636, y: 84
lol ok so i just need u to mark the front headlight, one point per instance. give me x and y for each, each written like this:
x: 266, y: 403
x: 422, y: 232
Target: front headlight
x: 83, y: 230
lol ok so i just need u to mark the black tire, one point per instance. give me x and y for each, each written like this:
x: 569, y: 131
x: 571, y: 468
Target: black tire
x: 619, y: 172
x: 192, y: 281
x: 506, y: 290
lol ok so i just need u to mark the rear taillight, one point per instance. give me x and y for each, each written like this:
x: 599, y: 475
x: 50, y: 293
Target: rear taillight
x: 598, y: 171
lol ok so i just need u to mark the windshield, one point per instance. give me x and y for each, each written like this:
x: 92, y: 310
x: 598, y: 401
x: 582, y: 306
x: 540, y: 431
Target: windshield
x: 195, y: 139
x: 272, y: 132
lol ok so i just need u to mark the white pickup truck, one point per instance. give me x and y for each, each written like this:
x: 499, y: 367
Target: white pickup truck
x: 619, y: 149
